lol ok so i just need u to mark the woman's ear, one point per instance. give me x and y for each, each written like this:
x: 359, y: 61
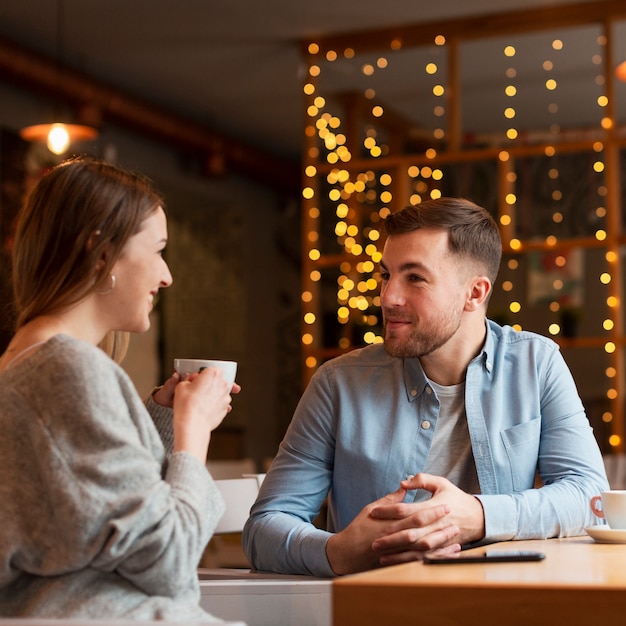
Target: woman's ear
x: 95, y: 240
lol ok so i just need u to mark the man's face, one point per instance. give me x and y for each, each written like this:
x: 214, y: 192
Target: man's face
x: 423, y: 292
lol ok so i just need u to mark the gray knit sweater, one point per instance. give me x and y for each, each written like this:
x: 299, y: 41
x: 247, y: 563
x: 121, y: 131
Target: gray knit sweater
x: 95, y: 521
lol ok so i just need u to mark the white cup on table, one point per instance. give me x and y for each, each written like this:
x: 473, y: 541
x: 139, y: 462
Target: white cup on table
x: 192, y: 366
x: 611, y: 506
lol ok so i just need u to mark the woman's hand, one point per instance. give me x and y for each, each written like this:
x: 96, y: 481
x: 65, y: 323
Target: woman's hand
x: 164, y: 395
x: 200, y: 402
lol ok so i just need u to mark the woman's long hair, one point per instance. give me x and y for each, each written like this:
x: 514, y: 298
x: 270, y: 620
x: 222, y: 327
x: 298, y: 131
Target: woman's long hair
x: 80, y: 213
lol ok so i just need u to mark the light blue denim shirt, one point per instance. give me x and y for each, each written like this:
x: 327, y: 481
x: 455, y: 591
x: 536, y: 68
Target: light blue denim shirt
x: 367, y: 420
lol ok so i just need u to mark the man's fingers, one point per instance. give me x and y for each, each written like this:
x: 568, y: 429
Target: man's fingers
x: 422, y: 539
x: 421, y: 514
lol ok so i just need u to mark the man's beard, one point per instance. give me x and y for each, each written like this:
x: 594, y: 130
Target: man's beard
x: 419, y: 343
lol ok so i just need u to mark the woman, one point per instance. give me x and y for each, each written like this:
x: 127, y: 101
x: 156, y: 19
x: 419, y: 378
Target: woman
x: 95, y: 520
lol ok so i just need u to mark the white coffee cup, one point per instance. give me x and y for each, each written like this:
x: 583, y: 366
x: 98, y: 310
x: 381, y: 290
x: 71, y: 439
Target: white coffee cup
x: 191, y: 366
x: 611, y: 506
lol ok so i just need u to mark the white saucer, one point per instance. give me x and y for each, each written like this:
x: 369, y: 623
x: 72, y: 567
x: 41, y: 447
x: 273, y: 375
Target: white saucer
x: 604, y: 534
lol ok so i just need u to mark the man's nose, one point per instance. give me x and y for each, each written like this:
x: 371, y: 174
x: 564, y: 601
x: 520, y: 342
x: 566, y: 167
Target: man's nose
x: 391, y: 294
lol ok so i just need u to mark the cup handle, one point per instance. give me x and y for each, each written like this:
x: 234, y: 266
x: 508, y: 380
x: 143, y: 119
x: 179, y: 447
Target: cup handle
x: 597, y: 510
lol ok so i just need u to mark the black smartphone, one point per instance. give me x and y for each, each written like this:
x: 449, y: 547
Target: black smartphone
x: 488, y: 556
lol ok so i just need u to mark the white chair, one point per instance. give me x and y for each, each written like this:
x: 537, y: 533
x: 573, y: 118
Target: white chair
x: 231, y: 468
x: 239, y: 495
x: 224, y: 549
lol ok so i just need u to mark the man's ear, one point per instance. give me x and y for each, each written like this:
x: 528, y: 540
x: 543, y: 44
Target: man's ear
x: 480, y: 288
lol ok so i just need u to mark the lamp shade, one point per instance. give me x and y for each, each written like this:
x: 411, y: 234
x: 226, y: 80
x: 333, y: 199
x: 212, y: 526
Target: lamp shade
x: 58, y: 136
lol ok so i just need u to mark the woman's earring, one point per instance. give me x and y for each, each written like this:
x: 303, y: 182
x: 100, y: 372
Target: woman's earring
x: 111, y: 288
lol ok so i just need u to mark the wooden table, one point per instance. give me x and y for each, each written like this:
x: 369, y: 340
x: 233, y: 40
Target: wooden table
x: 579, y: 582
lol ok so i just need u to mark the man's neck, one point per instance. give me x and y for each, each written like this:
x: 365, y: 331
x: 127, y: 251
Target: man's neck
x: 448, y: 365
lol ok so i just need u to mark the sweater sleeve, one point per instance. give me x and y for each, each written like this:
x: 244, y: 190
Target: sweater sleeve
x: 114, y: 502
x: 162, y: 418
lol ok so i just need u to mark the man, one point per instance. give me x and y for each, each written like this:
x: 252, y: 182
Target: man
x: 434, y: 439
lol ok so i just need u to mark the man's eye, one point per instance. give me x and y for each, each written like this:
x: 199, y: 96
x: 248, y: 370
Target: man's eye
x: 414, y: 278
x: 384, y: 276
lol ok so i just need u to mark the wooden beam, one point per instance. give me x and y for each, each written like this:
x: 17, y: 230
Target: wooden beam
x: 474, y: 27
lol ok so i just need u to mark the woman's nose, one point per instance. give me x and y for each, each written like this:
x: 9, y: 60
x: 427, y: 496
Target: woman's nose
x: 167, y: 279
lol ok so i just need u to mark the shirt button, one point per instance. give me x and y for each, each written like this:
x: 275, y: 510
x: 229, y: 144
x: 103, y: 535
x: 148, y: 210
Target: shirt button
x: 409, y: 476
x: 425, y: 424
x: 414, y: 392
x: 429, y: 390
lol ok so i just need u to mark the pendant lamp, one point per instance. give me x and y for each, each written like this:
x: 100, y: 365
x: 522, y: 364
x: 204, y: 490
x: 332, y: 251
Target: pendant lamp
x: 58, y: 135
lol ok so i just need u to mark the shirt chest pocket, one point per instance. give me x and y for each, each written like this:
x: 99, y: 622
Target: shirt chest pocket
x: 521, y: 443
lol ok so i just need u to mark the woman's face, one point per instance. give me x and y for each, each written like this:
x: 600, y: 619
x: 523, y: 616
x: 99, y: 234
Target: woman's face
x: 140, y: 272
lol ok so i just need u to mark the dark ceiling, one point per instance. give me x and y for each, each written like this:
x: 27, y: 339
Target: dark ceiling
x: 235, y: 66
